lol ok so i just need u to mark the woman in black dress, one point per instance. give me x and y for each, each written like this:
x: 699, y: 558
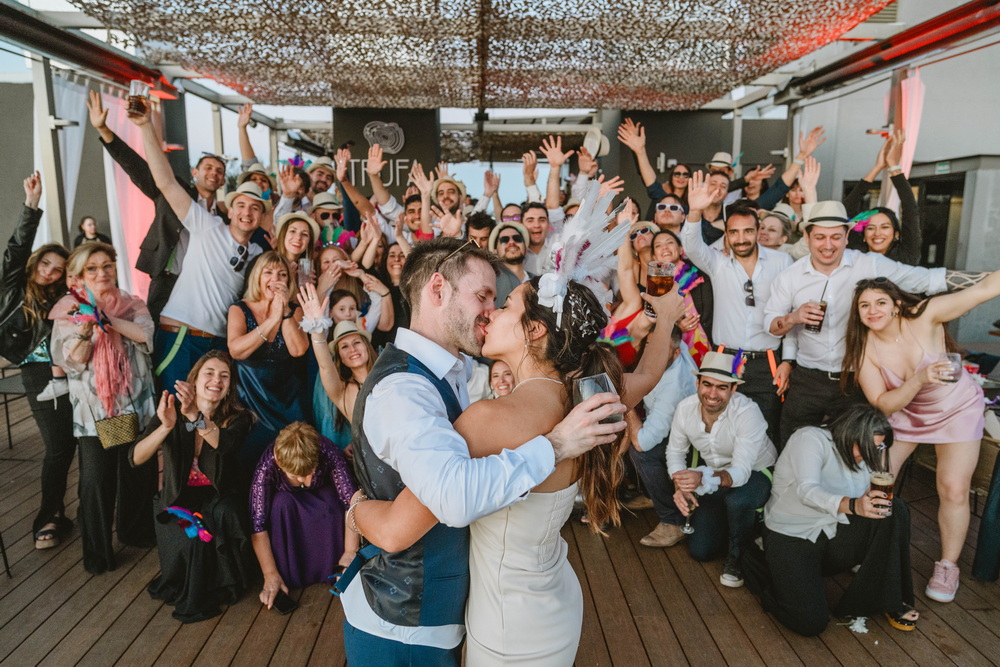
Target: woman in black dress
x: 200, y: 476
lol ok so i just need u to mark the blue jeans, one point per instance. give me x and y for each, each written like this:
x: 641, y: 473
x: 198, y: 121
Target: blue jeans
x: 364, y: 650
x: 723, y: 520
x: 191, y: 349
x: 652, y: 468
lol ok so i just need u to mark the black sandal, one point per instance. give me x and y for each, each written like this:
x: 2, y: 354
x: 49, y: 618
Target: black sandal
x: 898, y: 621
x: 47, y: 538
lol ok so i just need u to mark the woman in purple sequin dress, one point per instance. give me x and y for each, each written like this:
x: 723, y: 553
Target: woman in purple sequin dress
x: 298, y: 500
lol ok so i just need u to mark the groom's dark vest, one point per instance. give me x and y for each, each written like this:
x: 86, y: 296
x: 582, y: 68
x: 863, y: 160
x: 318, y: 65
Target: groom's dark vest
x: 427, y: 584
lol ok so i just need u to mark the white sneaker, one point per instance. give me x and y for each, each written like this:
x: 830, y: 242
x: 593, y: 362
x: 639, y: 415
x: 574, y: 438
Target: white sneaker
x: 54, y: 389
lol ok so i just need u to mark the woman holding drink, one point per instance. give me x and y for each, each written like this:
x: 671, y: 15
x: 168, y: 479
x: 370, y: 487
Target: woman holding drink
x: 896, y: 350
x: 826, y: 516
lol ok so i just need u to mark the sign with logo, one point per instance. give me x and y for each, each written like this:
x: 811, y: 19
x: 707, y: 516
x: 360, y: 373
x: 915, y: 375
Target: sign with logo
x: 405, y: 135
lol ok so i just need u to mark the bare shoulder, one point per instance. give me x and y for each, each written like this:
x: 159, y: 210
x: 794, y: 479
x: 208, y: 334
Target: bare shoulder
x: 492, y: 425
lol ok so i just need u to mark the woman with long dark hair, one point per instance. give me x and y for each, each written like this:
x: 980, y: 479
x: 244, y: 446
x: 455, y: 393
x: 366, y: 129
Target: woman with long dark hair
x: 199, y: 431
x: 894, y: 347
x: 824, y: 518
x: 533, y: 615
x: 32, y: 283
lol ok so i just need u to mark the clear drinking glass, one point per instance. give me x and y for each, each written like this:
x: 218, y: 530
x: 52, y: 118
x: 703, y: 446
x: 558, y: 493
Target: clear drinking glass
x: 138, y: 97
x: 585, y: 387
x: 659, y: 281
x: 955, y: 361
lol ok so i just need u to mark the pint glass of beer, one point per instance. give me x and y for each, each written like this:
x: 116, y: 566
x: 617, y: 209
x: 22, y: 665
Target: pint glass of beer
x: 884, y: 481
x: 138, y: 97
x: 659, y: 281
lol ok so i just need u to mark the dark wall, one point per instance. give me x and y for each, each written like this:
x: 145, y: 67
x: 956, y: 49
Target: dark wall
x: 421, y: 131
x: 692, y: 137
x: 16, y: 111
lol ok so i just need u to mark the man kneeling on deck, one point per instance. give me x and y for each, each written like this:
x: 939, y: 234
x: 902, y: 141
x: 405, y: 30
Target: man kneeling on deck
x: 729, y: 436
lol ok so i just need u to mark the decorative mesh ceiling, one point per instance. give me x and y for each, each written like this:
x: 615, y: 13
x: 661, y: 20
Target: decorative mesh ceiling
x: 625, y: 54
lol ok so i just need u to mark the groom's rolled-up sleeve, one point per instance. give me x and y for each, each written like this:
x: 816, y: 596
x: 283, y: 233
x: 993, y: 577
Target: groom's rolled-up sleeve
x: 406, y: 423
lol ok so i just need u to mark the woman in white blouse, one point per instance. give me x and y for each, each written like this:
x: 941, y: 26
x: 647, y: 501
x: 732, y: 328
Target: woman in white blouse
x: 823, y: 518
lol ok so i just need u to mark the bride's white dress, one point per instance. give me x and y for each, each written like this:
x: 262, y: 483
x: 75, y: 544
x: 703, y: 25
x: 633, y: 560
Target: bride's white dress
x: 525, y: 603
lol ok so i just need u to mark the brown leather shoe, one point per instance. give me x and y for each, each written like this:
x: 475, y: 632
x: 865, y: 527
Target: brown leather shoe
x: 664, y: 535
x: 639, y: 503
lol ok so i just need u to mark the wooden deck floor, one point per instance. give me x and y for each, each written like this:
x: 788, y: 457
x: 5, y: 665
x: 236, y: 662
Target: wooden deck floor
x: 642, y: 606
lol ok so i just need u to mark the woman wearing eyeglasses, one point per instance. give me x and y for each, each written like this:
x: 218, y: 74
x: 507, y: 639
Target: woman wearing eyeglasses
x: 104, y: 342
x: 894, y: 349
x: 267, y: 343
x: 668, y: 213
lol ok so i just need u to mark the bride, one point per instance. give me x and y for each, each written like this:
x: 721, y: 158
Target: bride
x: 525, y: 604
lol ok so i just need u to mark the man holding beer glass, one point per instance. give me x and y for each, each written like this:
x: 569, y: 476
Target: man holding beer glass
x: 832, y: 509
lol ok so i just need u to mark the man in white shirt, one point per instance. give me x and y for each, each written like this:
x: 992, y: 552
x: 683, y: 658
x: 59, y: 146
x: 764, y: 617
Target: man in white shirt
x: 741, y: 286
x: 535, y: 218
x: 728, y: 479
x: 194, y: 319
x: 408, y: 607
x: 829, y: 275
x: 649, y: 442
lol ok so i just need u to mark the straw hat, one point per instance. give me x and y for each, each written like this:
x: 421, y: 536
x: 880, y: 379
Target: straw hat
x: 344, y: 329
x: 298, y: 215
x: 250, y: 190
x: 322, y: 163
x: 596, y: 143
x: 448, y: 179
x: 827, y: 214
x: 719, y: 366
x: 325, y: 200
x: 495, y: 234
x: 257, y: 168
x: 721, y: 160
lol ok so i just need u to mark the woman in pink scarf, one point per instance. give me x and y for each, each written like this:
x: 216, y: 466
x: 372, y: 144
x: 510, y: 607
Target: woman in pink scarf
x: 105, y: 351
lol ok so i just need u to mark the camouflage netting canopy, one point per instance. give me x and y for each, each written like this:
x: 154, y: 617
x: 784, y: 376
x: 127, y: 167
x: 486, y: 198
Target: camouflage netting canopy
x: 625, y: 54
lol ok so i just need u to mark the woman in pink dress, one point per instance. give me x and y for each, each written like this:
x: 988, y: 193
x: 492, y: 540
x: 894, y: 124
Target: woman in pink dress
x: 894, y: 347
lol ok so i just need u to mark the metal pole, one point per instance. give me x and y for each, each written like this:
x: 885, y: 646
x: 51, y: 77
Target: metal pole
x: 273, y: 137
x: 48, y: 133
x: 217, y: 128
x: 737, y: 141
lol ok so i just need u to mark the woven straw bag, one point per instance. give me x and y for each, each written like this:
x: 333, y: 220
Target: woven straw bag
x: 120, y: 430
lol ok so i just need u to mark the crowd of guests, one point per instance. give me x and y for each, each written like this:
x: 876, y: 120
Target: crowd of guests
x: 807, y: 355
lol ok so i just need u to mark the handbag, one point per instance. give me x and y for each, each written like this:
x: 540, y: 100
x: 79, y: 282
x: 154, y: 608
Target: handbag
x: 118, y: 430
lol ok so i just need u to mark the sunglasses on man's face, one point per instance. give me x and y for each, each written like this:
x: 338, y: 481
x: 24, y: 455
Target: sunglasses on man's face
x: 329, y: 215
x: 642, y: 231
x: 673, y: 208
x: 512, y: 238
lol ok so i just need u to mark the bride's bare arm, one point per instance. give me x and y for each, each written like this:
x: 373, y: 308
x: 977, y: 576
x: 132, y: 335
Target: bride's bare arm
x: 394, y: 525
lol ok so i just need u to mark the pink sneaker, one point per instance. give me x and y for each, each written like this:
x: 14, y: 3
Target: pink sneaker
x: 944, y: 584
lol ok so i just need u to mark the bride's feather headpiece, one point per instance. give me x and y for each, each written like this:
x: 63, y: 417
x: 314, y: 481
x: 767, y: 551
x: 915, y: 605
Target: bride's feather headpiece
x: 586, y: 251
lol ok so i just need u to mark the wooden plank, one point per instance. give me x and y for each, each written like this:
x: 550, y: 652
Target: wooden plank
x: 655, y: 631
x: 32, y: 587
x: 152, y: 640
x: 40, y: 626
x: 303, y: 627
x: 593, y: 649
x: 258, y: 646
x: 96, y: 621
x: 229, y: 632
x: 26, y: 561
x: 328, y: 651
x: 186, y: 643
x: 692, y: 634
x: 113, y: 644
x: 620, y: 632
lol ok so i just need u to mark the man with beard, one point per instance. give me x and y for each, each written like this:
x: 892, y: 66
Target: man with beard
x: 448, y: 194
x: 507, y: 241
x: 322, y: 172
x: 408, y: 607
x: 478, y: 227
x: 741, y: 285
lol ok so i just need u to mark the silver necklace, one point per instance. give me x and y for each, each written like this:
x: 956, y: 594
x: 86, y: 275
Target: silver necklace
x: 540, y: 377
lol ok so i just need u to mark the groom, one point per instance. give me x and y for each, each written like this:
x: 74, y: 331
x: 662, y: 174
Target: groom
x: 407, y: 608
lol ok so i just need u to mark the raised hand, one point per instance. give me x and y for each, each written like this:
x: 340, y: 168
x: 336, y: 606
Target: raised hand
x: 291, y: 182
x: 552, y: 150
x: 143, y: 118
x: 629, y: 214
x: 882, y: 157
x: 373, y: 284
x: 375, y: 163
x: 419, y: 179
x: 894, y: 153
x: 243, y: 119
x: 586, y: 162
x: 809, y: 178
x: 33, y: 190
x: 614, y: 184
x: 529, y: 166
x: 342, y: 158
x: 491, y: 183
x: 451, y: 223
x: 329, y: 278
x: 758, y: 174
x: 699, y: 192
x: 312, y: 308
x: 166, y: 411
x: 187, y: 399
x: 98, y: 114
x: 633, y: 135
x: 811, y: 141
x: 442, y: 169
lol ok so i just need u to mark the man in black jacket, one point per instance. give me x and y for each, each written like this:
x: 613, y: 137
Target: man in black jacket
x: 158, y: 254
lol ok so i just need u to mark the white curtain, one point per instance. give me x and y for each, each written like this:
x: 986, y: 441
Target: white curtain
x: 71, y: 104
x: 907, y: 116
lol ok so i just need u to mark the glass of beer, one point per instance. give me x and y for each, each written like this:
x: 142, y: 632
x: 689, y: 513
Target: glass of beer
x: 955, y: 361
x: 659, y: 281
x: 816, y: 328
x: 884, y: 481
x: 138, y: 97
x: 585, y: 387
